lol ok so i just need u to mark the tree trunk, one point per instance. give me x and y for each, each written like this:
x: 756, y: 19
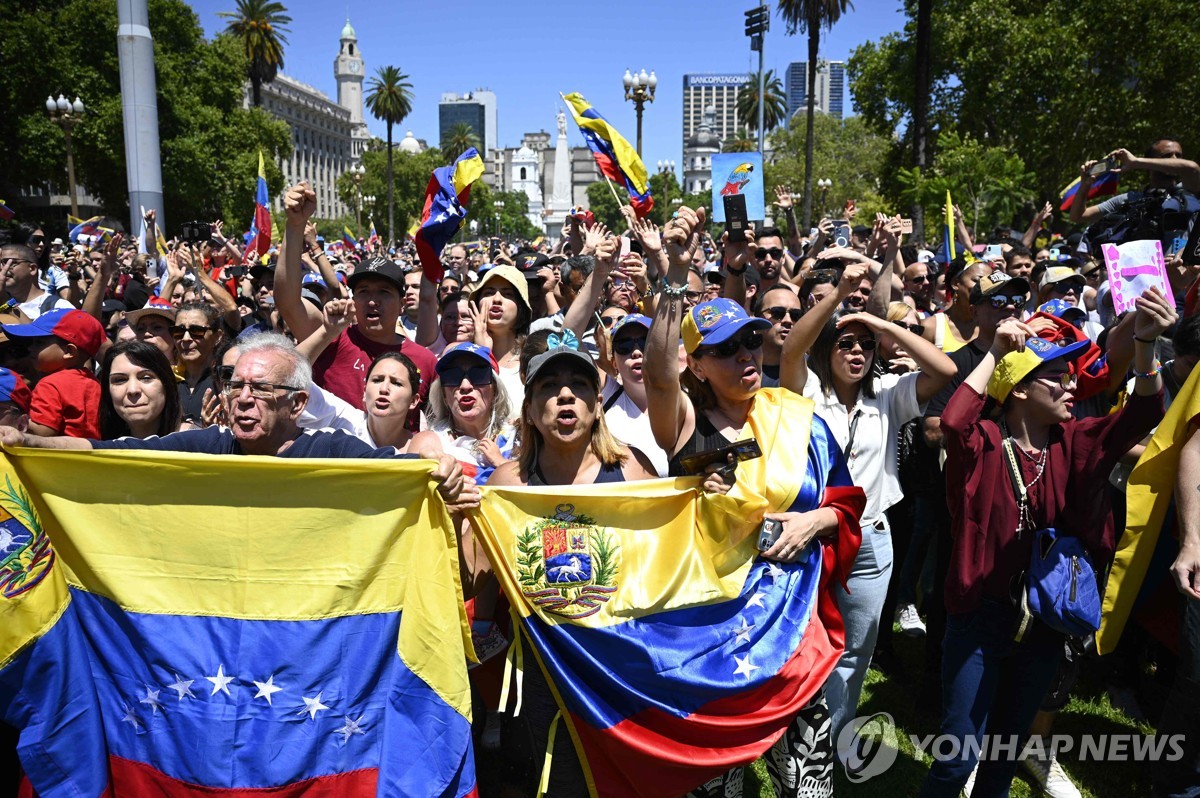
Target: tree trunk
x: 256, y: 91
x: 814, y: 41
x: 921, y: 104
x: 391, y: 204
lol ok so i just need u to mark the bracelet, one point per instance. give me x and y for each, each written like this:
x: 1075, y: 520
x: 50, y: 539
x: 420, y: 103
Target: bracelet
x: 1149, y: 375
x: 649, y: 292
x: 1144, y: 341
x: 673, y: 291
x: 737, y: 272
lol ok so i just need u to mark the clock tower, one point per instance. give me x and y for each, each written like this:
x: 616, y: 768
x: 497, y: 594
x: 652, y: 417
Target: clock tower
x: 348, y: 69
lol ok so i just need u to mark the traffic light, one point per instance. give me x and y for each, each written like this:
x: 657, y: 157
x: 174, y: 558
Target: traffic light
x: 758, y: 22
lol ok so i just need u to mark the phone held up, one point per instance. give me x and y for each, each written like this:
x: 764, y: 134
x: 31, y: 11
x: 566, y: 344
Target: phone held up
x: 1101, y: 166
x: 196, y: 232
x: 841, y: 233
x: 736, y: 220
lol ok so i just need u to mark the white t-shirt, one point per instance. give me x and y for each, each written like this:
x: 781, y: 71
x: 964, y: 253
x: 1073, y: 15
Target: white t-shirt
x: 873, y: 458
x: 631, y: 426
x: 510, y: 378
x: 33, y: 308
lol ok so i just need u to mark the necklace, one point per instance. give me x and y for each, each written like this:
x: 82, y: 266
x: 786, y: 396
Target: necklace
x: 1024, y: 517
x: 732, y: 424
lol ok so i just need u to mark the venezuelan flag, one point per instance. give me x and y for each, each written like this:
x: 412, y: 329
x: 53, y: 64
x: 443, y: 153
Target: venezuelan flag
x: 259, y: 237
x: 616, y: 157
x: 6, y: 213
x: 949, y: 252
x: 672, y: 649
x: 373, y: 238
x: 446, y: 199
x: 1104, y: 186
x: 348, y: 237
x: 260, y: 633
x: 84, y: 227
x: 1149, y: 498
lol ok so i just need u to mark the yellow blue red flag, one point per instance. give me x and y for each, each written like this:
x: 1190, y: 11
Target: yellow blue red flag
x: 673, y: 650
x: 617, y: 159
x: 291, y: 627
x: 258, y: 240
x: 446, y: 200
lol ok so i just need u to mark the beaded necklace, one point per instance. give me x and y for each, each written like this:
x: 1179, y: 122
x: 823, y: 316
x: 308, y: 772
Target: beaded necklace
x: 1020, y: 486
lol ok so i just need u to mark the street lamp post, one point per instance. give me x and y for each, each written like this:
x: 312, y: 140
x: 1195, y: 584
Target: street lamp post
x: 824, y: 184
x: 67, y: 114
x: 666, y: 169
x: 357, y: 172
x: 639, y: 89
x: 368, y: 201
x: 499, y: 206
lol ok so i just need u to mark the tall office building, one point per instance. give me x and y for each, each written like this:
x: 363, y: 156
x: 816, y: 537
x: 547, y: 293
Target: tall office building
x: 830, y: 90
x: 476, y: 109
x: 718, y: 91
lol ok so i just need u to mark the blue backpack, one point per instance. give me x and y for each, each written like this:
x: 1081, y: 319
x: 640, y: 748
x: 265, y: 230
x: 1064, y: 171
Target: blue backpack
x: 1061, y: 589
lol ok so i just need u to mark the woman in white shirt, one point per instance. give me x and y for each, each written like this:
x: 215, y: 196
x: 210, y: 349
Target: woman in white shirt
x: 625, y: 399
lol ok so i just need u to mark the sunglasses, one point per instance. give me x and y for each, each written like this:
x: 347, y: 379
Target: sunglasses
x: 195, y: 330
x: 609, y: 321
x: 774, y: 252
x: 453, y: 376
x: 752, y: 341
x: 1066, y: 380
x: 37, y: 239
x: 224, y: 373
x: 847, y: 342
x: 1001, y: 300
x: 627, y: 345
x: 920, y: 278
x: 777, y: 313
x: 913, y: 328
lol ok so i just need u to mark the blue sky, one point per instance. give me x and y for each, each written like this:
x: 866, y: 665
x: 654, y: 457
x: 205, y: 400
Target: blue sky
x: 528, y: 52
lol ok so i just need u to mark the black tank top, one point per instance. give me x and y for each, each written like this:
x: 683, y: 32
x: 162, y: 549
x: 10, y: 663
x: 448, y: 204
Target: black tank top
x: 607, y: 473
x: 704, y: 438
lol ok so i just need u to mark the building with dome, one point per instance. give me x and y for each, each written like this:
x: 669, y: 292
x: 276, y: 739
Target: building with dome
x: 698, y: 150
x: 410, y: 144
x: 328, y: 137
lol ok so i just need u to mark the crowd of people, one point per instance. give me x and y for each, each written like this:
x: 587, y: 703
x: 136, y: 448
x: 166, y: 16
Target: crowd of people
x: 974, y: 401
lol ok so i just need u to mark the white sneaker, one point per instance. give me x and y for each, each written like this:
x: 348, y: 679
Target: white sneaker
x: 970, y: 785
x: 1050, y: 776
x: 910, y: 621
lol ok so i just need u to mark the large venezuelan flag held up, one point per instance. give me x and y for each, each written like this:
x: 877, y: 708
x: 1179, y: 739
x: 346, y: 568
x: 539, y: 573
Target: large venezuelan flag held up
x: 673, y: 650
x: 617, y: 159
x: 1103, y: 186
x: 277, y: 627
x: 446, y: 199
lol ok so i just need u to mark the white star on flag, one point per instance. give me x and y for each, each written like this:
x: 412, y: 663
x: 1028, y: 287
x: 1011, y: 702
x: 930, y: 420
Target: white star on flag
x: 756, y: 600
x: 183, y: 687
x: 220, y: 681
x: 744, y: 666
x: 349, y: 728
x: 267, y: 689
x: 441, y: 217
x: 774, y: 571
x: 151, y: 700
x: 312, y: 706
x: 131, y: 718
x: 743, y: 632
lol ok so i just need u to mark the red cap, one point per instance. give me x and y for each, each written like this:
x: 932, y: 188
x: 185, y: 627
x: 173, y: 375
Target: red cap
x: 72, y: 326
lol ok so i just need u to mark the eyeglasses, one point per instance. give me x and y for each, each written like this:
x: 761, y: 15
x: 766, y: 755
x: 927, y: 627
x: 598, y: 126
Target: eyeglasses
x: 1093, y: 274
x: 8, y: 264
x: 847, y: 342
x: 609, y: 321
x: 913, y: 328
x: 918, y: 279
x: 618, y: 282
x: 778, y: 312
x: 224, y: 373
x: 752, y: 341
x: 774, y: 252
x: 1065, y: 287
x: 259, y: 390
x: 628, y: 344
x: 1001, y: 301
x: 693, y: 296
x: 453, y: 376
x: 1066, y: 380
x: 195, y: 330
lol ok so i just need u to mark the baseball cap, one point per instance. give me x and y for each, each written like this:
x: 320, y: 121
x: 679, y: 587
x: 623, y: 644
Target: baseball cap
x: 630, y: 320
x: 157, y: 306
x: 510, y: 275
x: 13, y: 389
x: 716, y: 321
x: 72, y: 326
x: 995, y: 283
x: 112, y: 306
x: 1060, y: 274
x: 558, y: 354
x: 311, y: 278
x: 379, y: 267
x: 1060, y: 309
x: 528, y: 264
x: 1016, y: 366
x: 476, y: 351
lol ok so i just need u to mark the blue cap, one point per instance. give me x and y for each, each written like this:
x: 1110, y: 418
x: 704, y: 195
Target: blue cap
x: 13, y: 389
x: 467, y: 348
x: 632, y: 318
x: 311, y: 278
x: 1059, y: 308
x: 716, y: 321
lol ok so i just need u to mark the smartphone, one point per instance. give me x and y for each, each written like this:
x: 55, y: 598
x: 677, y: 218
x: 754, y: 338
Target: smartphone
x: 768, y: 533
x: 906, y: 227
x: 736, y: 220
x: 1101, y: 166
x: 746, y: 449
x: 1055, y: 253
x: 196, y: 232
x: 1191, y: 249
x: 841, y: 233
x: 850, y: 207
x: 993, y: 252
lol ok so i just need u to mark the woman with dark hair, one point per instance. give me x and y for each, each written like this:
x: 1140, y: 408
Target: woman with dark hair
x: 865, y: 407
x: 504, y: 316
x: 197, y: 332
x: 139, y: 398
x: 953, y: 328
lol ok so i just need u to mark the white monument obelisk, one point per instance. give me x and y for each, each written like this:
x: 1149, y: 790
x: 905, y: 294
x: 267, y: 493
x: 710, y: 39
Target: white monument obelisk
x: 560, y: 198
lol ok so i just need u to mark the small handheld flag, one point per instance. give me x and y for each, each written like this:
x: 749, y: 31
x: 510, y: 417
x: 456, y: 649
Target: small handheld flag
x: 259, y: 238
x: 446, y: 199
x: 84, y: 227
x: 1104, y: 186
x: 348, y: 237
x: 615, y: 156
x: 948, y: 249
x: 373, y: 238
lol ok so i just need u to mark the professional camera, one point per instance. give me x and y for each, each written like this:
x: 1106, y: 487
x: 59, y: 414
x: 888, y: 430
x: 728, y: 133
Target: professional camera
x: 1156, y: 213
x: 196, y: 232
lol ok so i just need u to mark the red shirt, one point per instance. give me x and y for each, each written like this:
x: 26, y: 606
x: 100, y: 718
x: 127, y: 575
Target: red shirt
x: 1070, y: 496
x: 342, y: 367
x: 68, y: 402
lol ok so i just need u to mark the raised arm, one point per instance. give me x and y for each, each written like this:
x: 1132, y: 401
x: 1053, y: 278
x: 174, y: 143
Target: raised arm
x: 736, y: 259
x: 1081, y: 212
x: 299, y: 203
x: 1035, y: 226
x: 427, y: 312
x: 793, y: 365
x: 337, y: 316
x: 1183, y: 170
x: 225, y: 303
x: 322, y: 264
x: 581, y: 309
x: 94, y: 301
x: 783, y: 200
x: 1186, y: 568
x: 936, y: 368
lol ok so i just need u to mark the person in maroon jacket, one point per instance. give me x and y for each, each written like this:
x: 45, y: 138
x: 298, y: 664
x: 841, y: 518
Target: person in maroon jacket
x: 992, y: 684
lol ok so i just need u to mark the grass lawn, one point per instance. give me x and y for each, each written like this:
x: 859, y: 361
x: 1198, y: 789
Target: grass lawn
x: 1089, y: 712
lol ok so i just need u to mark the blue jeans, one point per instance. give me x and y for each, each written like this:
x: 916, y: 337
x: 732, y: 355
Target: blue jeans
x: 860, y: 608
x: 991, y: 685
x: 1182, y: 713
x: 915, y: 573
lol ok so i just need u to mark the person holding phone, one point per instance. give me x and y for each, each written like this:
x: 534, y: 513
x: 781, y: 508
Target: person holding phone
x: 806, y: 488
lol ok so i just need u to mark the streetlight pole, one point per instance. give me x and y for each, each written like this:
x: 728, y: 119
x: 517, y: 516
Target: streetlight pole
x: 824, y: 184
x: 639, y: 89
x: 358, y: 172
x: 666, y: 169
x: 499, y: 206
x: 758, y: 22
x: 67, y: 114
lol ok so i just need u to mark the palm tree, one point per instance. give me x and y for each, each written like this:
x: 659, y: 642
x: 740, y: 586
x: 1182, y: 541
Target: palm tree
x: 458, y: 140
x: 260, y: 26
x: 809, y: 16
x: 740, y: 141
x: 775, y: 111
x: 389, y: 98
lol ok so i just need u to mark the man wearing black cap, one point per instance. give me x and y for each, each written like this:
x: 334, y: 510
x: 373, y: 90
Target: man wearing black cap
x: 378, y: 290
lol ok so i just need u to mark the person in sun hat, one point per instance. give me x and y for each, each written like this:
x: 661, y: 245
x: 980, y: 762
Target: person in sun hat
x: 502, y: 299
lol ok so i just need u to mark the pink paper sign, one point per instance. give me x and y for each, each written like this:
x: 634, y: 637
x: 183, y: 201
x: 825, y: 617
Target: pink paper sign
x: 1133, y: 268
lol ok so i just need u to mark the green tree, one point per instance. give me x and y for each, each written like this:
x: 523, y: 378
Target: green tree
x: 809, y: 16
x: 664, y: 187
x: 775, y: 110
x: 458, y: 140
x: 209, y: 143
x: 260, y: 27
x: 389, y: 98
x: 1054, y: 82
x: 604, y: 206
x: 742, y: 140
